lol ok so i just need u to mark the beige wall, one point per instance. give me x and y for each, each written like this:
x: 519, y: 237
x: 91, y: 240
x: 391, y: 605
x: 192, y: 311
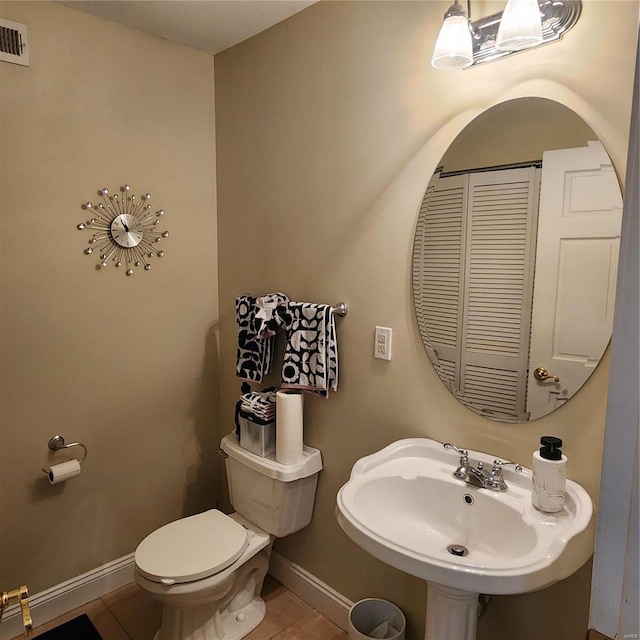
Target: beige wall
x: 126, y: 365
x: 329, y: 126
x: 537, y: 124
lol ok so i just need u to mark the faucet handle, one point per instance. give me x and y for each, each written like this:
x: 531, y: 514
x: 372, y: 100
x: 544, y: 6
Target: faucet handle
x: 496, y: 481
x: 462, y: 472
x: 464, y: 454
x: 498, y: 464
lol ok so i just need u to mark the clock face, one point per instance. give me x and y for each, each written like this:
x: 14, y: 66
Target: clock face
x: 126, y: 231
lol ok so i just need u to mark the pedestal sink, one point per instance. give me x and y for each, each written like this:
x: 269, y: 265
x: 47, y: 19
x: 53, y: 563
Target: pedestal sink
x: 404, y: 506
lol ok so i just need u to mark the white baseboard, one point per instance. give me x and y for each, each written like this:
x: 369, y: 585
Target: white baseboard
x: 69, y: 595
x: 314, y: 592
x: 76, y: 592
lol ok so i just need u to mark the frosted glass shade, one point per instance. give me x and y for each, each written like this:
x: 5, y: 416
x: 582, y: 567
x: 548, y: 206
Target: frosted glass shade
x: 453, y: 49
x: 520, y: 26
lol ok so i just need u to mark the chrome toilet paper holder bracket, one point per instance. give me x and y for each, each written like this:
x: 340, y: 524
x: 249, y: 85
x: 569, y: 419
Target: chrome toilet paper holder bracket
x: 57, y: 442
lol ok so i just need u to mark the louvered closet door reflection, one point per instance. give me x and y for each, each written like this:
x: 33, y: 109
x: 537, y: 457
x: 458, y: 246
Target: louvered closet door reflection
x: 498, y: 285
x: 438, y: 264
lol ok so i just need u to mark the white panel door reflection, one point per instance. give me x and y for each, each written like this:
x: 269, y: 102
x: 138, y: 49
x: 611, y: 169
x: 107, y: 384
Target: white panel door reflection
x: 575, y: 273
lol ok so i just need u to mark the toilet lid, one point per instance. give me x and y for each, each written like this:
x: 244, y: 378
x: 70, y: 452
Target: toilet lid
x: 191, y: 548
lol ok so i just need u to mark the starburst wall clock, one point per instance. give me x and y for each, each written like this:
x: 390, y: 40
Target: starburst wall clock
x: 125, y: 230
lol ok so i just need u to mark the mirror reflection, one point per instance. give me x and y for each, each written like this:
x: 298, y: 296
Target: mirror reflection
x: 515, y: 259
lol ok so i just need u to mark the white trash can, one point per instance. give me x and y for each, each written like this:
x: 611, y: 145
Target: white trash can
x: 374, y: 618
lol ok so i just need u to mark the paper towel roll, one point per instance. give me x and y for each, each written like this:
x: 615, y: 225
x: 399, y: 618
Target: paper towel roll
x: 289, y: 427
x: 64, y: 471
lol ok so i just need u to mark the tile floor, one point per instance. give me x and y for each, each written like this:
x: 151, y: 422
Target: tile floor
x: 129, y: 614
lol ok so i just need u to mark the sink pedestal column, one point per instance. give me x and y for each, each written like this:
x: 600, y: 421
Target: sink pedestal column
x: 451, y: 614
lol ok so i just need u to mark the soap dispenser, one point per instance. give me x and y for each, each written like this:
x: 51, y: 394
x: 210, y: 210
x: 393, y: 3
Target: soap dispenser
x: 549, y: 476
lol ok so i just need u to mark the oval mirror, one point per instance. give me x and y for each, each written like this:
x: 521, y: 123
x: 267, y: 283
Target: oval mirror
x: 515, y: 259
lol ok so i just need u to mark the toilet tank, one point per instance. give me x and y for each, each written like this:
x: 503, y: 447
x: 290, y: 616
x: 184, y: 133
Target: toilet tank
x: 277, y: 498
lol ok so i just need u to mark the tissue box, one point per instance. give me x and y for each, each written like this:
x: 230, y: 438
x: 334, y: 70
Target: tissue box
x: 257, y: 437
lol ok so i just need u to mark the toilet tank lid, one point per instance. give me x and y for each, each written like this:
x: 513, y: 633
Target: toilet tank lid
x: 310, y: 463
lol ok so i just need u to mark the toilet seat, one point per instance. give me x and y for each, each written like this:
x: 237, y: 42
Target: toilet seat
x: 191, y: 548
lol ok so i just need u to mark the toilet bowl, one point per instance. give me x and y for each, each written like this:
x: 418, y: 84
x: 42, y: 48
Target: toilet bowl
x: 207, y: 570
x: 205, y: 596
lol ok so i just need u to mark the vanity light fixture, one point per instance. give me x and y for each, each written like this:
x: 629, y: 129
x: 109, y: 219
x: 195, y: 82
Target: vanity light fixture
x: 516, y: 28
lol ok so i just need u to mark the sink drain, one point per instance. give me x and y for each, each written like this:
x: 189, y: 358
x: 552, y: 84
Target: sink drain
x: 458, y: 550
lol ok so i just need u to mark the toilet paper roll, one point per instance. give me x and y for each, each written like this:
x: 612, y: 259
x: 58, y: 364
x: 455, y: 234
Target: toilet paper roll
x: 64, y: 471
x: 289, y: 427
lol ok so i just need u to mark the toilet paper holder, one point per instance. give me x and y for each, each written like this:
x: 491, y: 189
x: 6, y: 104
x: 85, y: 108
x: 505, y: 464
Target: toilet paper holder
x: 57, y: 442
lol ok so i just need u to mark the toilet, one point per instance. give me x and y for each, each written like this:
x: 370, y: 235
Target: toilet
x: 207, y: 570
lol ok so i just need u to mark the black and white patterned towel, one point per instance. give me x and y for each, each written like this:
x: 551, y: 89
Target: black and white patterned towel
x: 257, y: 322
x: 311, y: 351
x: 268, y: 319
x: 261, y: 404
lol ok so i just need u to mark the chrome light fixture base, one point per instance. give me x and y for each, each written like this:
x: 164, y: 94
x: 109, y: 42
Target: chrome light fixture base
x: 558, y: 16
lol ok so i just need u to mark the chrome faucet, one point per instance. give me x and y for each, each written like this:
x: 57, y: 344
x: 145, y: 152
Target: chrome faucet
x: 477, y: 475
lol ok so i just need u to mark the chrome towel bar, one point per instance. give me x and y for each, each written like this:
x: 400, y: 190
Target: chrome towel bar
x: 341, y: 309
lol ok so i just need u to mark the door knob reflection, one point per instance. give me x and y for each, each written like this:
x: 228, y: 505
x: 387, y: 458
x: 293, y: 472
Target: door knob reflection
x: 542, y: 374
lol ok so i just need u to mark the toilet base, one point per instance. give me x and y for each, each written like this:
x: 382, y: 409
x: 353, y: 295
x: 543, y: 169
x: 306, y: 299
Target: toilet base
x: 225, y: 606
x: 238, y: 624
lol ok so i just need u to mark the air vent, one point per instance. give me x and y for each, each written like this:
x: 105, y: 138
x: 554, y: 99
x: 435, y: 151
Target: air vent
x: 13, y: 42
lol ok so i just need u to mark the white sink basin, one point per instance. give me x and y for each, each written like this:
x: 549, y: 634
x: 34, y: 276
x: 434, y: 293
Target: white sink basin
x: 403, y: 505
